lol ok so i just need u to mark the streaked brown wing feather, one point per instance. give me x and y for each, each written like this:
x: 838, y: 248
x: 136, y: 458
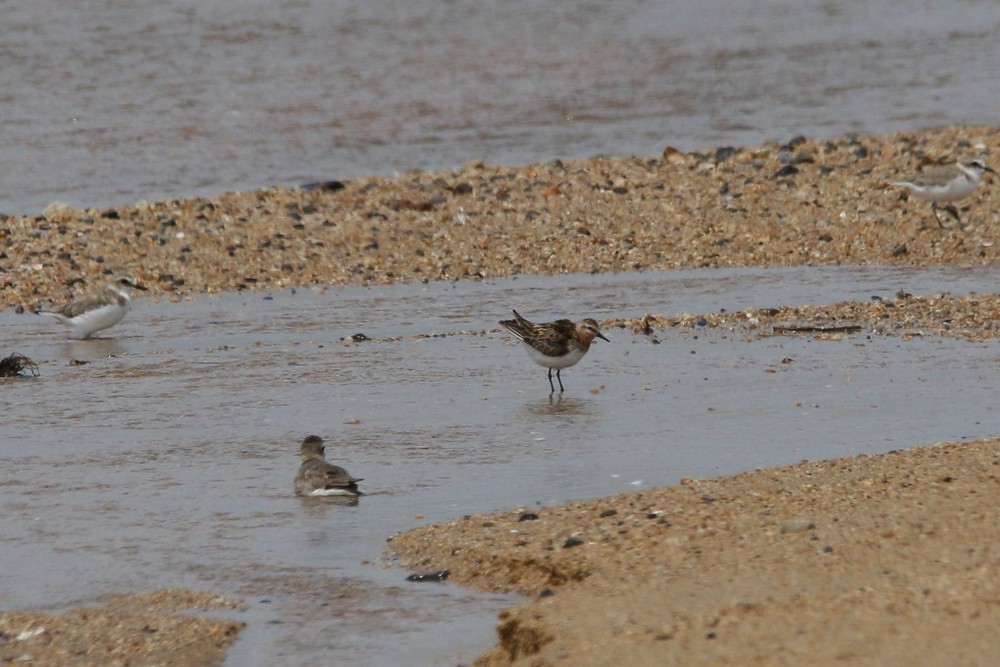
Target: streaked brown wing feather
x: 549, y: 338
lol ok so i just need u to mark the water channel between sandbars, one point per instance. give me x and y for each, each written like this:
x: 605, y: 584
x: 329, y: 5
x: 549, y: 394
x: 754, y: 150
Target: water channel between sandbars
x: 167, y: 459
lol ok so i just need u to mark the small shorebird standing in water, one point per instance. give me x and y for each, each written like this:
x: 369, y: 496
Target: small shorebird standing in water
x: 98, y: 310
x: 318, y: 477
x: 554, y: 345
x: 947, y: 183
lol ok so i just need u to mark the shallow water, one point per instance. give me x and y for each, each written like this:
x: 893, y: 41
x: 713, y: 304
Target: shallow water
x: 167, y: 459
x: 108, y: 102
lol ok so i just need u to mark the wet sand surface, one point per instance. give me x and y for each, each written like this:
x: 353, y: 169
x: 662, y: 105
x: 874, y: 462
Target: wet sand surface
x: 164, y: 460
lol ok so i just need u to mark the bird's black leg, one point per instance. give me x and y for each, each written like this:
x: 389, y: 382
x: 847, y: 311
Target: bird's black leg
x: 954, y: 213
x: 559, y: 377
x: 552, y: 386
x: 934, y: 211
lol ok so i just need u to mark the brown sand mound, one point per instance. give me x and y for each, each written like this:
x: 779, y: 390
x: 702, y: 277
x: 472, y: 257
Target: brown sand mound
x: 873, y: 560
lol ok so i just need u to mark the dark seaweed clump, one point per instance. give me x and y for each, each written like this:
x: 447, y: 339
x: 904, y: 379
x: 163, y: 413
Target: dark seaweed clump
x: 15, y: 364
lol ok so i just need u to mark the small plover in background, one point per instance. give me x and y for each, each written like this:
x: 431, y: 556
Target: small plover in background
x: 98, y: 310
x: 317, y: 477
x: 554, y: 345
x: 947, y: 183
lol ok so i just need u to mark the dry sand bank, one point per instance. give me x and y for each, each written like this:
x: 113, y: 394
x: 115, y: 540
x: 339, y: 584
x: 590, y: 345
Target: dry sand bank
x: 872, y: 560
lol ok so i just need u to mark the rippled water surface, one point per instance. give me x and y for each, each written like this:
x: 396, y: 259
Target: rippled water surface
x: 108, y: 102
x: 167, y: 458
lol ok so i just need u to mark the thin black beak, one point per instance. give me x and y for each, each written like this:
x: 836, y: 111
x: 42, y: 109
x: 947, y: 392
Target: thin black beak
x: 601, y: 336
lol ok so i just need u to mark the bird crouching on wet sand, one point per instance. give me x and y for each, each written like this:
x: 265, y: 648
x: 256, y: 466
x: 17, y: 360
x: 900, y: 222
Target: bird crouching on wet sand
x: 98, y: 310
x: 946, y: 183
x: 554, y: 345
x: 318, y: 477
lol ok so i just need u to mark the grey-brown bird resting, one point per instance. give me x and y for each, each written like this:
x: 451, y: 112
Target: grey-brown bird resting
x: 554, y: 345
x: 318, y: 477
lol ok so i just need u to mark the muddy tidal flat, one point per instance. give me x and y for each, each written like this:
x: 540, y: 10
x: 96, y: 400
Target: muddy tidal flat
x: 867, y: 560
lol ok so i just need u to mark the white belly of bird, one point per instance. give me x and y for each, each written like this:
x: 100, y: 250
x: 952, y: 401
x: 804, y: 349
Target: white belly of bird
x: 569, y: 359
x: 332, y: 492
x: 952, y: 191
x: 95, y: 320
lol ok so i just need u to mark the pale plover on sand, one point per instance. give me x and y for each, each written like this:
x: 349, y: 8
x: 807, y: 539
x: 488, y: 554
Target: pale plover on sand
x: 947, y: 183
x: 98, y: 310
x: 554, y: 345
x: 318, y: 477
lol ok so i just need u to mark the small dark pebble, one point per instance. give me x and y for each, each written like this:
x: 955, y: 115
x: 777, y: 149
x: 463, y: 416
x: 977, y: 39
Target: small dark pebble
x: 110, y: 214
x: 329, y: 186
x: 901, y: 249
x: 702, y: 322
x: 787, y: 170
x: 78, y: 362
x: 546, y: 593
x: 440, y: 575
x: 572, y: 542
x: 359, y: 338
x: 462, y: 189
x: 528, y: 516
x: 724, y: 153
x: 607, y: 513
